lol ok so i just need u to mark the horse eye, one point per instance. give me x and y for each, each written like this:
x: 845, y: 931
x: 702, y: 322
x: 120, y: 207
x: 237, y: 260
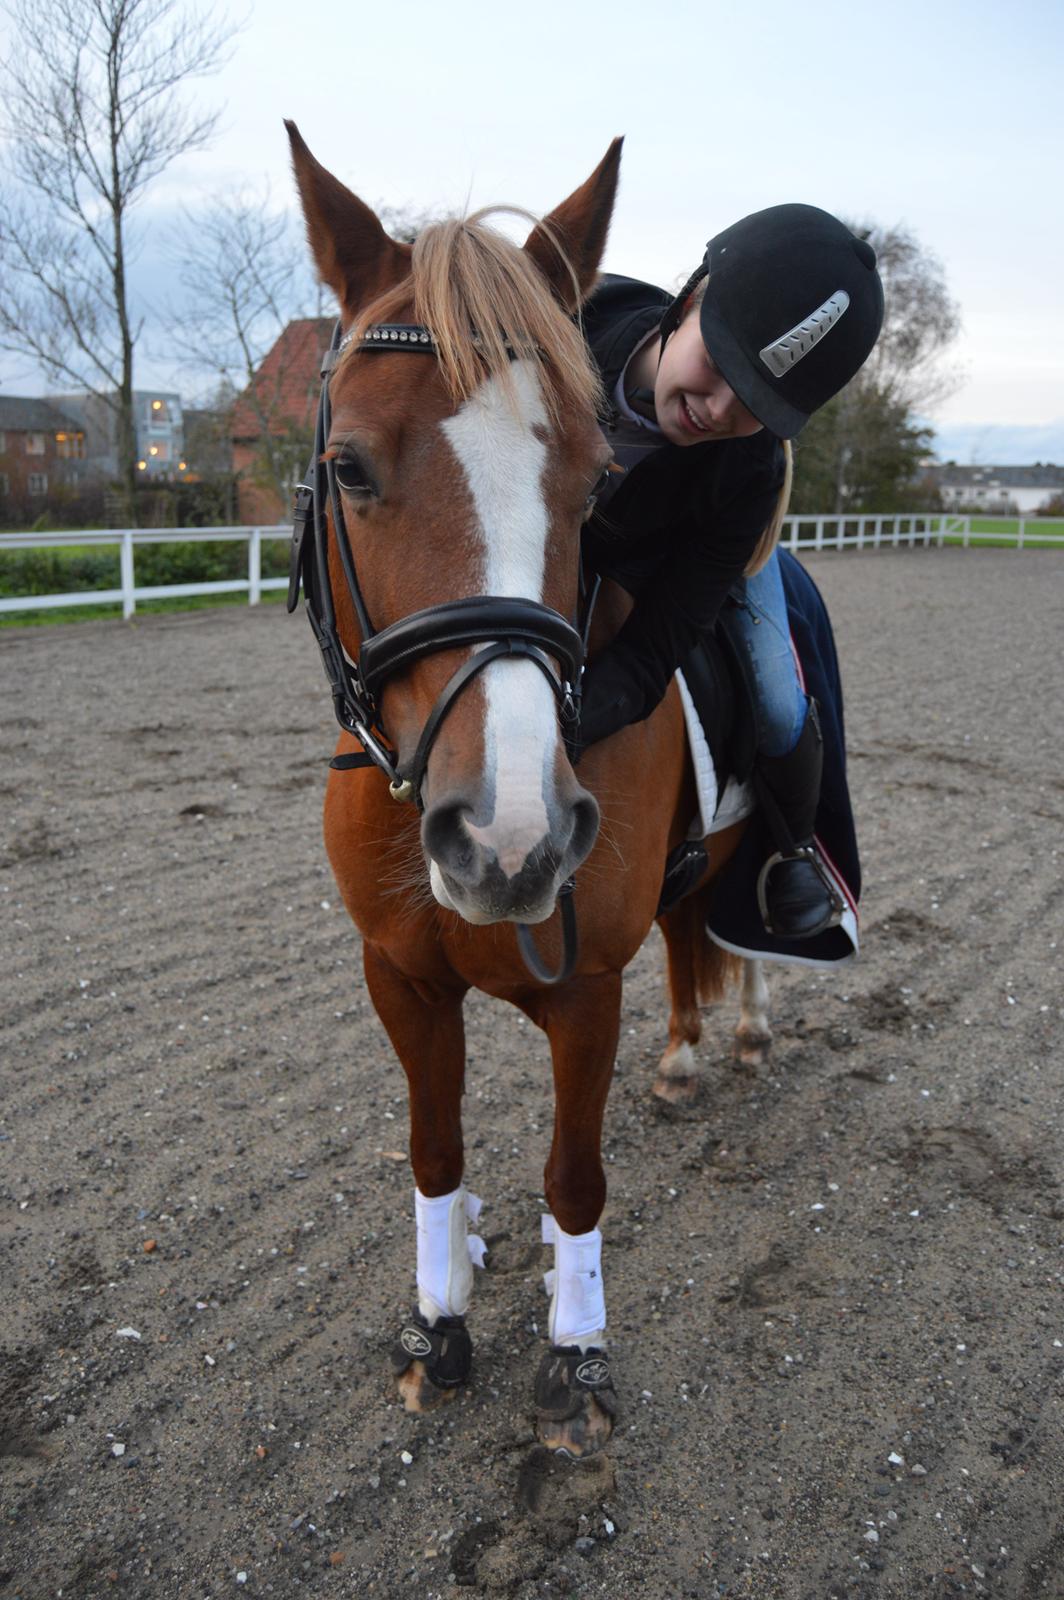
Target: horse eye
x: 351, y: 475
x: 603, y: 480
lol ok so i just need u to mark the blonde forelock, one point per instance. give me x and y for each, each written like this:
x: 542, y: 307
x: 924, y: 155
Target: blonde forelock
x: 486, y: 304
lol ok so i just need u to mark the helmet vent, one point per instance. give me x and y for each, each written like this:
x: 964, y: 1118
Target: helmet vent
x: 785, y: 352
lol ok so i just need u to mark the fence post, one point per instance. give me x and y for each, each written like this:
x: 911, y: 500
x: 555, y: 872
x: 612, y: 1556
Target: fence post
x: 840, y: 534
x: 129, y: 604
x: 1019, y: 541
x: 254, y: 566
x: 941, y: 531
x: 966, y: 537
x: 818, y: 538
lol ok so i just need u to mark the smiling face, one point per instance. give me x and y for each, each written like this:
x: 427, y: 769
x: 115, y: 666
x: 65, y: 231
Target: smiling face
x: 692, y: 400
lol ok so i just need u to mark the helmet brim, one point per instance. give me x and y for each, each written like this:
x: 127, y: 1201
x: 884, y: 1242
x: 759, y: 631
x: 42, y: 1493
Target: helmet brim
x: 756, y: 394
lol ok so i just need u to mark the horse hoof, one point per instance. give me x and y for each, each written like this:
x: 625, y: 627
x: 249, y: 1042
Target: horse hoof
x: 418, y: 1392
x: 751, y: 1049
x: 431, y: 1363
x: 576, y: 1402
x: 678, y: 1080
x: 676, y: 1091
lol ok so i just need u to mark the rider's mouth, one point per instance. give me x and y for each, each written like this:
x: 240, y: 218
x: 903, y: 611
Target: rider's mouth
x: 693, y: 422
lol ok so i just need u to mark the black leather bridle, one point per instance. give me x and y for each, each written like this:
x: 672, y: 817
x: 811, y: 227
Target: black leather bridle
x: 505, y: 626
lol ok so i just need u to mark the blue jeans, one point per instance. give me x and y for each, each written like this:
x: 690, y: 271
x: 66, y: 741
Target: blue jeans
x: 759, y: 627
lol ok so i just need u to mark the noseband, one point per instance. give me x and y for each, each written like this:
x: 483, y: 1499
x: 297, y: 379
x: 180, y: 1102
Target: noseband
x: 505, y: 626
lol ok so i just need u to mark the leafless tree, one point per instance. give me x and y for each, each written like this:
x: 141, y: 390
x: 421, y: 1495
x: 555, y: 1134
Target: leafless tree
x: 92, y: 106
x: 920, y: 320
x: 246, y: 275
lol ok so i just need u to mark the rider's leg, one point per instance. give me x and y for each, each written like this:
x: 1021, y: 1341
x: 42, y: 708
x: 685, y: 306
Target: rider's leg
x: 796, y: 900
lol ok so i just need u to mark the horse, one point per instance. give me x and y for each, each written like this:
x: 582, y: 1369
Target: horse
x: 457, y: 457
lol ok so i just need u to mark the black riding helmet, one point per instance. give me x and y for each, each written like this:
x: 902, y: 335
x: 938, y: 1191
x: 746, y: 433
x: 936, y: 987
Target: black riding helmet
x: 791, y: 311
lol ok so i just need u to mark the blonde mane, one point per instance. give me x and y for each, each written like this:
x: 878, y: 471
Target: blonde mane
x: 468, y: 281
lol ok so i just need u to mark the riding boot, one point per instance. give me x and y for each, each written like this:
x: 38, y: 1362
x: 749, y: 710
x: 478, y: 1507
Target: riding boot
x: 795, y: 894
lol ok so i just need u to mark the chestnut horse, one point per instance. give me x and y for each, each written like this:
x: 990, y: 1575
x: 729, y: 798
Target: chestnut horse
x: 465, y: 470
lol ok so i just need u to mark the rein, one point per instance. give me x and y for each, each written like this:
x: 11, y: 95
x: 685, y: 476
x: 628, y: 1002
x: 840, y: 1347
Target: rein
x: 514, y: 627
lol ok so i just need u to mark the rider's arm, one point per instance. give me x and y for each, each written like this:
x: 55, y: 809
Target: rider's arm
x: 628, y: 679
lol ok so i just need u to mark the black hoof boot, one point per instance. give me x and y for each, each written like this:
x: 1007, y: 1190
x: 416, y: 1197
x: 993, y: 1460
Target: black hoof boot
x: 576, y: 1403
x: 431, y: 1364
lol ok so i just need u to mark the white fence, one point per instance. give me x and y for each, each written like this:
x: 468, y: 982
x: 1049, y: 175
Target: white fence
x: 799, y: 533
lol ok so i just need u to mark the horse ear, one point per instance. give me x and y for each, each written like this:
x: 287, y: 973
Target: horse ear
x: 354, y: 255
x: 579, y: 226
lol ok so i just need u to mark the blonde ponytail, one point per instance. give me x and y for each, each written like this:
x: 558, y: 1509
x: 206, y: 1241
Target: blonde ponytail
x: 770, y: 538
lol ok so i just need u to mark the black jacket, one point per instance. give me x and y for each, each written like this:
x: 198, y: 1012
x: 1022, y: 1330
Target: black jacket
x: 676, y: 534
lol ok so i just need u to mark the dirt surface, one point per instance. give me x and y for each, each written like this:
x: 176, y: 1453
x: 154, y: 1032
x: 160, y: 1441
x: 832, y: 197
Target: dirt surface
x: 834, y: 1286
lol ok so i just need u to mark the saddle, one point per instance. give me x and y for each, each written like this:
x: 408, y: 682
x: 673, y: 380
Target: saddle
x: 717, y: 694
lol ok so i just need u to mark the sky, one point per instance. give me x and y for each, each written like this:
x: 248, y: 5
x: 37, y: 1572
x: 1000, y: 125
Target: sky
x: 945, y: 117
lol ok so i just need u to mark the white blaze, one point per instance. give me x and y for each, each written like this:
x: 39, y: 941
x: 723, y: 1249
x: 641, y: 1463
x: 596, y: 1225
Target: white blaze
x: 503, y: 458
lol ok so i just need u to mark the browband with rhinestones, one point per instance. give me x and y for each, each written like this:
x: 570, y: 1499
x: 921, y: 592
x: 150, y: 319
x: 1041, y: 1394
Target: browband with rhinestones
x: 399, y: 336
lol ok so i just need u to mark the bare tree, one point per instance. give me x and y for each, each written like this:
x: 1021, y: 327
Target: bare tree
x: 246, y: 275
x: 920, y: 320
x: 94, y: 114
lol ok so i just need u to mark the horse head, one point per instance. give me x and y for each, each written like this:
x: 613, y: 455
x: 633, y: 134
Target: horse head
x: 469, y: 475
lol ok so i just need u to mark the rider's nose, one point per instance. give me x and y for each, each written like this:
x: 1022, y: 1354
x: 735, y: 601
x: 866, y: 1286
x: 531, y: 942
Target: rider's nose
x: 721, y: 404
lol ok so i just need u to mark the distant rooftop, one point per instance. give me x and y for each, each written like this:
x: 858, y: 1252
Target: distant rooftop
x: 1042, y: 475
x: 20, y: 414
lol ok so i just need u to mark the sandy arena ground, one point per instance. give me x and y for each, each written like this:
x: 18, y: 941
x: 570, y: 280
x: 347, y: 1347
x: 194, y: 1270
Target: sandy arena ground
x: 834, y: 1288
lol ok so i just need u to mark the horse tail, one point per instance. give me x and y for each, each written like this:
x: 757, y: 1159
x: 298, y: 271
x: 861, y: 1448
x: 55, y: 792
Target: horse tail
x: 715, y: 970
x: 700, y: 972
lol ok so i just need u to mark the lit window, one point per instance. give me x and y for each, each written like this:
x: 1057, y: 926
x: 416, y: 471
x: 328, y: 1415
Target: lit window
x: 160, y: 411
x: 153, y: 450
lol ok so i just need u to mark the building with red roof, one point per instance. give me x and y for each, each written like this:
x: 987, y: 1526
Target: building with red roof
x: 272, y: 423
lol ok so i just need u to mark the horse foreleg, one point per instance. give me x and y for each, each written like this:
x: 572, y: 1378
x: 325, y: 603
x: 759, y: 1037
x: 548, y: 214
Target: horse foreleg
x: 753, y: 1036
x: 575, y: 1396
x: 424, y: 1022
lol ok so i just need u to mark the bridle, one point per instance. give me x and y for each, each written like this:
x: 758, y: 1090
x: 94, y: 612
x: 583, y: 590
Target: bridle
x: 505, y: 626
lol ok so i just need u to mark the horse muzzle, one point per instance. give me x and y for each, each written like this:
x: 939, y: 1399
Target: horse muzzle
x: 499, y: 872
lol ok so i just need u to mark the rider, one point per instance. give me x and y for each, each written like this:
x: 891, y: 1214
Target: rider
x: 703, y: 390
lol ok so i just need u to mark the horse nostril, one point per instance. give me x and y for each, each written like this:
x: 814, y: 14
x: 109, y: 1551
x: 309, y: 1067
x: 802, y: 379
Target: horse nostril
x: 444, y: 836
x: 585, y: 828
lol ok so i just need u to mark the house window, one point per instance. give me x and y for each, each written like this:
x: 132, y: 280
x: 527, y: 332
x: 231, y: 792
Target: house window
x: 159, y: 452
x: 70, y: 446
x: 158, y: 411
x: 37, y: 482
x: 3, y: 444
x: 35, y: 444
x: 5, y: 485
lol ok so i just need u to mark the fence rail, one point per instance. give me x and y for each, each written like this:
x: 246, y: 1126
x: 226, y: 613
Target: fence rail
x: 799, y: 533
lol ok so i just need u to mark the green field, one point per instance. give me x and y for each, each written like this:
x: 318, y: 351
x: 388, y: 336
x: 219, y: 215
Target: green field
x: 989, y: 531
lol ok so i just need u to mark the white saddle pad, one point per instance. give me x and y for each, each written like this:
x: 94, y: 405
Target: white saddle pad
x: 715, y: 810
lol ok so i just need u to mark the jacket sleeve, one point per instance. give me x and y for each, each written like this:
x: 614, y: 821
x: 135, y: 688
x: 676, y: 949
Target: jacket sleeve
x: 679, y: 604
